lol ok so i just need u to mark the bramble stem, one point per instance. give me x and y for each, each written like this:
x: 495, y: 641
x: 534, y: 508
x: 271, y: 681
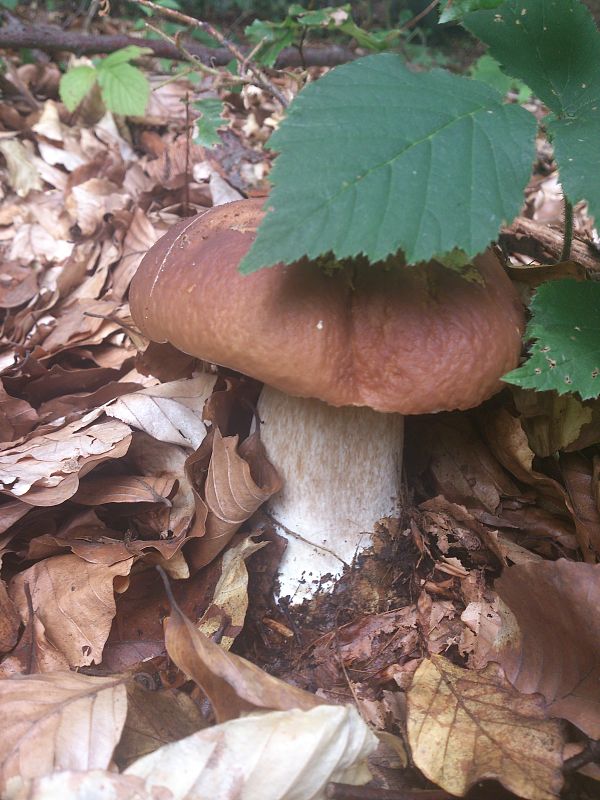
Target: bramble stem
x: 568, y: 240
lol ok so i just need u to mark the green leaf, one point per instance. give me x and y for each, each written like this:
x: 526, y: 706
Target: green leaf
x: 125, y: 90
x: 565, y: 356
x: 209, y: 123
x: 75, y: 85
x: 124, y: 55
x: 375, y: 158
x: 275, y: 36
x: 554, y: 46
x: 455, y: 10
x: 488, y: 70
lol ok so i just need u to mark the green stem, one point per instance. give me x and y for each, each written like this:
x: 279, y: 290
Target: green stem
x: 568, y: 240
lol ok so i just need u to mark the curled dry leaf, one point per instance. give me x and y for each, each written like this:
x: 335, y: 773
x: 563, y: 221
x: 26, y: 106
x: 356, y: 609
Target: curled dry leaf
x: 552, y: 643
x: 466, y: 726
x: 59, y: 721
x: 463, y: 468
x: 171, y: 412
x: 232, y: 684
x: 22, y: 174
x: 10, y: 621
x: 289, y: 755
x: 230, y: 600
x: 45, y: 471
x: 96, y: 784
x: 509, y: 442
x: 74, y: 600
x: 230, y: 484
x: 578, y: 476
x: 556, y: 422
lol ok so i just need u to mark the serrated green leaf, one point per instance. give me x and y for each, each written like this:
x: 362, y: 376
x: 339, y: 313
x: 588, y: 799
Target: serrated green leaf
x: 124, y: 55
x: 554, y: 46
x: 375, y: 158
x: 211, y: 109
x: 125, y: 90
x: 75, y: 84
x: 455, y: 10
x: 275, y: 37
x: 565, y: 356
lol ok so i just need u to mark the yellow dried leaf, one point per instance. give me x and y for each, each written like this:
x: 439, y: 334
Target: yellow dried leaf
x: 466, y: 726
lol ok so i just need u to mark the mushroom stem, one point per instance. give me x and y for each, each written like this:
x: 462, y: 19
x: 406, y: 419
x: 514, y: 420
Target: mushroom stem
x: 341, y: 471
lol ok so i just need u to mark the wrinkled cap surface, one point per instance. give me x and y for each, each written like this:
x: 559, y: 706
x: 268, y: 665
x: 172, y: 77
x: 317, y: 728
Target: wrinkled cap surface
x: 411, y: 340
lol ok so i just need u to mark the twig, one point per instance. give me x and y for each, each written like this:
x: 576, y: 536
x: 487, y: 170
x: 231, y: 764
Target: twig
x: 543, y: 243
x: 342, y: 791
x: 51, y: 39
x: 260, y: 79
x: 186, y: 188
x: 590, y: 755
x: 418, y: 17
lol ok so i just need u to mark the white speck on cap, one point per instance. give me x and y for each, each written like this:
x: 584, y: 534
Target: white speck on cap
x: 320, y: 325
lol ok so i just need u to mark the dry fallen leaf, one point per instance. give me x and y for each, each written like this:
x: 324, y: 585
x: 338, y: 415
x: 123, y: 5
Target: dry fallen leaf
x: 551, y: 642
x: 232, y: 684
x: 92, y: 785
x: 74, y: 600
x: 171, y: 412
x: 22, y: 174
x: 155, y: 718
x: 465, y: 726
x: 284, y: 755
x: 230, y: 600
x: 59, y: 721
x: 230, y: 484
x: 46, y: 469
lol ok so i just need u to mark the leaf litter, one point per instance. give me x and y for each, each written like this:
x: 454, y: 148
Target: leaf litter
x: 476, y: 615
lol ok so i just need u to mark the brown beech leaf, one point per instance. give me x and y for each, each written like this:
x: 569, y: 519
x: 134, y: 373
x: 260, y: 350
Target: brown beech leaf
x: 462, y: 466
x: 17, y: 417
x: 230, y: 484
x: 95, y: 783
x: 556, y: 422
x: 124, y: 489
x: 33, y: 654
x: 283, y: 755
x: 17, y: 285
x: 232, y: 684
x: 552, y: 643
x: 509, y: 442
x: 59, y: 721
x: 578, y: 475
x: 466, y: 726
x: 155, y: 718
x: 46, y: 469
x: 230, y: 600
x: 171, y: 412
x: 10, y: 621
x: 74, y: 600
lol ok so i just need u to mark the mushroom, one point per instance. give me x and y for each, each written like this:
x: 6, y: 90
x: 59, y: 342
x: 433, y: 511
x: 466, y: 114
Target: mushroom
x: 343, y: 353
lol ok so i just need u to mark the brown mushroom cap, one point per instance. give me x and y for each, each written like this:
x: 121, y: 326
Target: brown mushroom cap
x: 410, y: 340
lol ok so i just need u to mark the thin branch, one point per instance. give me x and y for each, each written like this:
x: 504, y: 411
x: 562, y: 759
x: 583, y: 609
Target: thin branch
x: 51, y: 39
x: 259, y: 77
x: 418, y: 17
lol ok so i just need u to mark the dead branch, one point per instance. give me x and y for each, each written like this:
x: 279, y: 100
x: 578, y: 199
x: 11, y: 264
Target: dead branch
x: 544, y: 244
x: 51, y: 39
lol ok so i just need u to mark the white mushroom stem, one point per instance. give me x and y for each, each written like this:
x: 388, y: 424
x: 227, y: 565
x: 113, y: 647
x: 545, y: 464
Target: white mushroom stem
x: 341, y: 471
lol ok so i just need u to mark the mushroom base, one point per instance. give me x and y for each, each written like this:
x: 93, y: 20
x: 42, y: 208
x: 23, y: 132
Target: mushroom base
x: 341, y: 470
